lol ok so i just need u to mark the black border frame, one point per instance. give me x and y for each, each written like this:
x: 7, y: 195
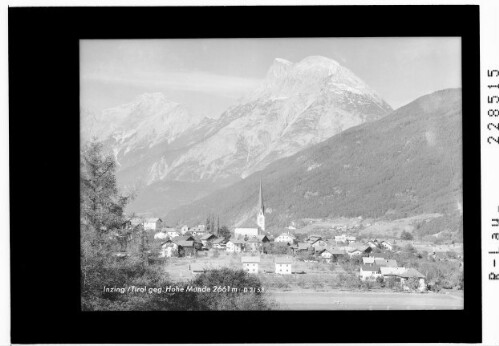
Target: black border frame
x: 44, y: 178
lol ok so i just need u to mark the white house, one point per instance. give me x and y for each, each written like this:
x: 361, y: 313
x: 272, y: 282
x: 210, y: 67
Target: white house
x: 369, y: 272
x: 171, y: 232
x: 250, y: 264
x: 152, y: 224
x: 387, y: 245
x: 344, y: 238
x: 246, y: 231
x: 198, y: 230
x: 285, y: 238
x: 340, y: 238
x: 326, y: 254
x: 379, y: 261
x: 184, y: 229
x: 234, y: 245
x: 160, y: 235
x: 283, y: 265
x: 219, y: 243
x: 207, y: 238
x: 319, y: 245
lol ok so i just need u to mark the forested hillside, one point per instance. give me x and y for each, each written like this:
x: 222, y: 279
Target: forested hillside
x: 408, y: 162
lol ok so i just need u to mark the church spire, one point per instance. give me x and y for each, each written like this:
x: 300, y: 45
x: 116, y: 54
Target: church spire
x: 261, y: 207
x: 260, y: 219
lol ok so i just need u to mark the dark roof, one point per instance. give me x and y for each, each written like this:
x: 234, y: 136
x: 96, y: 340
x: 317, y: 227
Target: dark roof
x: 261, y: 237
x: 392, y: 263
x: 250, y: 259
x: 382, y: 262
x: 336, y: 251
x: 182, y: 238
x: 411, y: 272
x: 237, y: 241
x: 374, y: 268
x: 303, y: 246
x: 207, y: 236
x: 284, y: 260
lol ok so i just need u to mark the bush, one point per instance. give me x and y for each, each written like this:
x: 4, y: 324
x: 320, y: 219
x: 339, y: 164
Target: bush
x: 406, y: 236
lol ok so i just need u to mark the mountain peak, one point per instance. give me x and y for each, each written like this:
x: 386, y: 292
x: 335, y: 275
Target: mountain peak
x: 152, y: 98
x: 282, y: 61
x: 318, y: 61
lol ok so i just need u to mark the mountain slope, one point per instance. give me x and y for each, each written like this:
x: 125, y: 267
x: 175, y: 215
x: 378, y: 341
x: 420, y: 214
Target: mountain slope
x: 408, y: 162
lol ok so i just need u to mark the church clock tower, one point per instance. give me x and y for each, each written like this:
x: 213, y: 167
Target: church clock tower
x: 260, y: 219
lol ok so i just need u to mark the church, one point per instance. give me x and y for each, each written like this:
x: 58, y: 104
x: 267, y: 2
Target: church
x: 254, y: 230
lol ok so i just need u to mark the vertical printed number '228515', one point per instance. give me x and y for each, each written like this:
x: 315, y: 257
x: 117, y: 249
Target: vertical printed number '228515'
x: 491, y: 111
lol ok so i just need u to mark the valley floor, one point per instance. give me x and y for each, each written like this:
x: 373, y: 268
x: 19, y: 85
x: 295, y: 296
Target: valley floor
x: 349, y: 300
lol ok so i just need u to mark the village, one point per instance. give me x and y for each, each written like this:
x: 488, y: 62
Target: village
x: 313, y: 261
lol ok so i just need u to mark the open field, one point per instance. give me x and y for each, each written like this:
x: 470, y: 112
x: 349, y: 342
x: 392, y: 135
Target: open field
x: 178, y: 268
x: 348, y: 300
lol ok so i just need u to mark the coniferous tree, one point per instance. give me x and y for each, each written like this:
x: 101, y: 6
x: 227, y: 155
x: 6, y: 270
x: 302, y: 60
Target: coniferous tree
x: 101, y: 206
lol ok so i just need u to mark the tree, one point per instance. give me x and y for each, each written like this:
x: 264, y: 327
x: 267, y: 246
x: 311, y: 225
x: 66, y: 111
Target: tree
x: 406, y: 236
x: 101, y: 204
x: 224, y: 232
x: 101, y: 208
x: 208, y: 223
x: 238, y: 291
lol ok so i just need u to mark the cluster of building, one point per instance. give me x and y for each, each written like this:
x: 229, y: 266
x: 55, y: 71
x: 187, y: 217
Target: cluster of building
x: 373, y: 268
x: 252, y: 265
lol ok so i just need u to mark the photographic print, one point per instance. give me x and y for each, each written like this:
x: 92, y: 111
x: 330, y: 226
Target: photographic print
x: 271, y: 174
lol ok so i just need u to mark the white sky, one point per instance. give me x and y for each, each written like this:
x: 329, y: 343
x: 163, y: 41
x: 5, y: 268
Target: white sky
x: 208, y: 75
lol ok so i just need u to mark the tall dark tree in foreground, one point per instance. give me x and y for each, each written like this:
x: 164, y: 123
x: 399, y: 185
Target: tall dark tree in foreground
x: 101, y: 204
x: 101, y: 208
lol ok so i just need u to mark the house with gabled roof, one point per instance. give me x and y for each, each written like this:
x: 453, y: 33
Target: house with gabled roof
x: 250, y: 264
x: 385, y: 262
x: 411, y: 273
x: 186, y: 248
x: 219, y: 243
x: 207, y: 238
x: 386, y: 245
x: 331, y: 254
x: 357, y: 249
x: 171, y: 232
x: 313, y: 238
x: 183, y: 238
x: 369, y: 272
x: 152, y: 223
x: 286, y: 237
x: 249, y: 230
x: 301, y: 247
x: 319, y: 245
x: 235, y: 245
x: 283, y: 265
x: 256, y: 243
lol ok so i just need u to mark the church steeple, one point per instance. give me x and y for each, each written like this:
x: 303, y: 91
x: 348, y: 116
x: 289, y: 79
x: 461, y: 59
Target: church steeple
x: 260, y: 219
x: 261, y: 207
